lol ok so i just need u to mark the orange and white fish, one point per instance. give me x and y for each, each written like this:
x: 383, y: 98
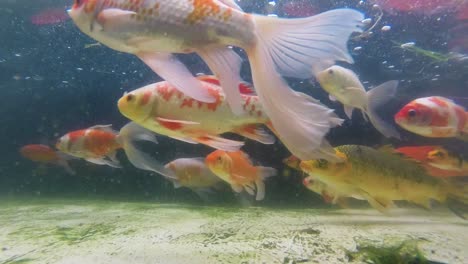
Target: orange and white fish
x: 99, y: 144
x: 154, y: 29
x: 433, y: 116
x: 236, y: 169
x: 161, y: 108
x: 45, y: 154
x: 192, y: 173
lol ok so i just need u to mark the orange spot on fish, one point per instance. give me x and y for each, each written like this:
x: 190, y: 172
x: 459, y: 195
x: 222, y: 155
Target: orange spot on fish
x: 215, y: 93
x: 202, y: 9
x: 227, y: 14
x: 438, y: 101
x: 187, y: 102
x: 90, y: 5
x: 75, y: 135
x: 146, y: 98
x: 169, y: 124
x: 100, y: 142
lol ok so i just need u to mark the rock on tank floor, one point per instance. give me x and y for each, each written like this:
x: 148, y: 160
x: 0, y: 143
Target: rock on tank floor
x: 92, y: 231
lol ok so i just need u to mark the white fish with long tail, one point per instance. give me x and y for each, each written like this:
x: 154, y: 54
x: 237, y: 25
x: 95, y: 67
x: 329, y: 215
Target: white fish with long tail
x: 154, y: 29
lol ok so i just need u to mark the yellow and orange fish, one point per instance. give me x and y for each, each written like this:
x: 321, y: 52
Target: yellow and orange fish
x: 161, y: 108
x: 448, y: 161
x: 433, y: 116
x: 45, y: 154
x: 429, y: 157
x: 236, y: 169
x: 155, y: 29
x: 99, y: 144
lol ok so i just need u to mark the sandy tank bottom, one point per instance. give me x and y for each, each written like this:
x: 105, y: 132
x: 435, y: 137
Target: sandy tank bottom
x: 96, y: 231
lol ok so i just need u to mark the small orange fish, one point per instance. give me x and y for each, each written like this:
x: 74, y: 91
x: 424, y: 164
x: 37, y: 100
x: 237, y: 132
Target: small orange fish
x: 98, y: 144
x: 45, y: 154
x: 236, y: 169
x: 434, y: 116
x: 422, y: 154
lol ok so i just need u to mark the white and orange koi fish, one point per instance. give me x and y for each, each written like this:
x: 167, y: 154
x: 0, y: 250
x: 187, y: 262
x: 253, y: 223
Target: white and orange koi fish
x: 154, y: 29
x: 434, y: 116
x: 161, y: 108
x: 99, y: 144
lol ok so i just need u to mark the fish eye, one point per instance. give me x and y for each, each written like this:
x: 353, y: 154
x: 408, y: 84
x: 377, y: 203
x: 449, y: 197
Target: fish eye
x: 412, y: 113
x: 321, y: 163
x: 330, y: 71
x: 439, y: 154
x: 130, y: 97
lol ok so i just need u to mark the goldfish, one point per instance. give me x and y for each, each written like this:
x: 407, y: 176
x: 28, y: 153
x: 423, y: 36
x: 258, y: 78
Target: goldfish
x: 161, y: 108
x: 434, y: 116
x: 192, y: 173
x: 423, y: 155
x: 155, y: 29
x: 99, y: 144
x: 343, y: 85
x: 382, y: 177
x: 236, y: 169
x: 445, y: 160
x: 45, y: 154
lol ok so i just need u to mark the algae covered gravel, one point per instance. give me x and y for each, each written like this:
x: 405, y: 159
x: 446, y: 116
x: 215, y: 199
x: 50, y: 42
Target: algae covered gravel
x: 92, y: 231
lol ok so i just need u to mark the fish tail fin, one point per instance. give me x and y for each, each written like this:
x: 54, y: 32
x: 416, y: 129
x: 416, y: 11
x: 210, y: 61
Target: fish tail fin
x: 255, y: 132
x: 299, y: 48
x: 263, y: 173
x: 376, y: 98
x: 132, y: 132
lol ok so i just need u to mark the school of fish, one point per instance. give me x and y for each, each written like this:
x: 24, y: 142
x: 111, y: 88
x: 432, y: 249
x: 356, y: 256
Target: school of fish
x: 201, y: 109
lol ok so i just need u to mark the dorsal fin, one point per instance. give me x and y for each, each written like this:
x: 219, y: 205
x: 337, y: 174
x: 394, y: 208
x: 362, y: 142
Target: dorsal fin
x: 244, y: 87
x: 107, y: 128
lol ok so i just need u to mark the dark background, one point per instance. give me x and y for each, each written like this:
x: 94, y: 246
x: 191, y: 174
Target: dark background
x: 51, y: 84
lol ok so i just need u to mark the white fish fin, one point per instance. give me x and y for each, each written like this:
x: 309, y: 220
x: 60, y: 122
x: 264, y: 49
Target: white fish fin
x: 332, y: 98
x: 173, y: 71
x: 104, y: 162
x: 226, y: 65
x: 110, y: 18
x: 348, y: 111
x: 63, y: 163
x: 301, y: 47
x: 231, y: 4
x: 113, y: 157
x: 376, y: 98
x: 264, y: 172
x: 260, y: 190
x: 250, y: 189
x: 139, y: 159
x: 176, y: 184
x: 220, y: 143
x: 237, y: 188
x: 184, y: 139
x: 381, y: 205
x: 255, y: 132
x: 182, y: 122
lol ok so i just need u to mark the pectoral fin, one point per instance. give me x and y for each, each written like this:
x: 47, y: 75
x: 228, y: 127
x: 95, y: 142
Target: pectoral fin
x: 220, y: 143
x: 173, y: 124
x: 226, y: 65
x: 380, y: 204
x: 255, y: 132
x: 104, y: 162
x: 173, y: 71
